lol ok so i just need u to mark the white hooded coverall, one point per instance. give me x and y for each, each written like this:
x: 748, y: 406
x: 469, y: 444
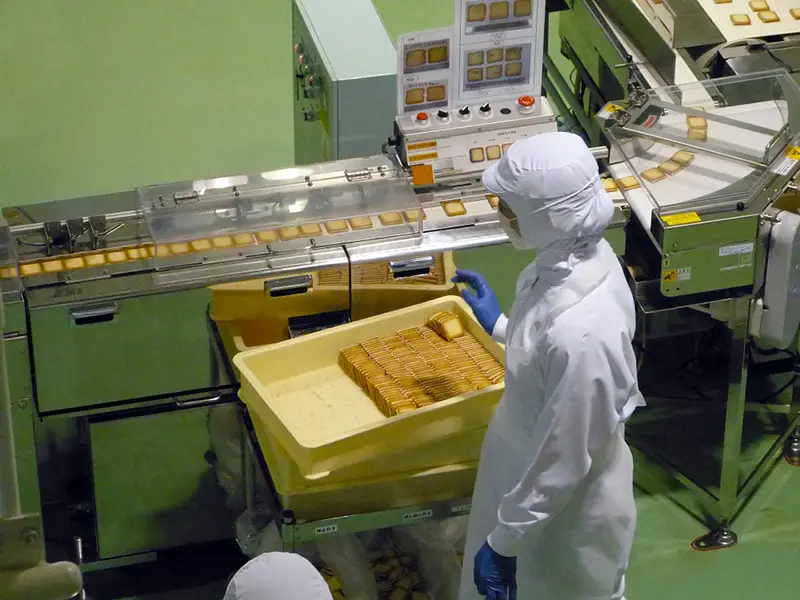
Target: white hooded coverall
x: 278, y: 576
x: 555, y: 482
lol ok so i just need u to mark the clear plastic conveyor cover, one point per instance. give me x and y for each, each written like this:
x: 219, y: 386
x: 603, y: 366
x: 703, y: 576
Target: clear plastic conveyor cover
x: 710, y: 146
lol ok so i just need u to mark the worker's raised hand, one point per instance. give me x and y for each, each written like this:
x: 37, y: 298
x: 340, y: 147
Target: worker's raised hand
x: 495, y: 575
x: 483, y: 301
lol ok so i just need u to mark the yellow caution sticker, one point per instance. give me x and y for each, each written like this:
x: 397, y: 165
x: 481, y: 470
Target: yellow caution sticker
x: 681, y: 219
x: 673, y: 275
x: 608, y: 110
x: 793, y: 153
x: 414, y: 158
x: 422, y: 146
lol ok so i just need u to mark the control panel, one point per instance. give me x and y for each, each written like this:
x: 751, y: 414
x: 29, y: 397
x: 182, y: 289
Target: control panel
x: 465, y: 138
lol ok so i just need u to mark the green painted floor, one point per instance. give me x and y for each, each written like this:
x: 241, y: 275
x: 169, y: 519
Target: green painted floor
x: 100, y: 96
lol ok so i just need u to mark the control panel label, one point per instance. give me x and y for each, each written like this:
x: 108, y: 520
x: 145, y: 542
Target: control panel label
x: 418, y: 515
x: 326, y: 530
x: 424, y: 76
x: 418, y: 158
x: 422, y: 146
x: 498, y: 50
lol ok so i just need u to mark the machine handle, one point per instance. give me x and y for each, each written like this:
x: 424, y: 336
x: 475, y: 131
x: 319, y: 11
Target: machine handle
x: 186, y: 404
x: 92, y: 316
x: 288, y: 286
x: 413, y: 267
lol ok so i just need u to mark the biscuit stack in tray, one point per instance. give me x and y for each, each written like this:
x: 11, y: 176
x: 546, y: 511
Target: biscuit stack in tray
x: 418, y: 366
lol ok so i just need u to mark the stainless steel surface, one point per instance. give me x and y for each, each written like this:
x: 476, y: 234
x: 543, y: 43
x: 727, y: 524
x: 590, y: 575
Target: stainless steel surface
x: 288, y: 285
x: 344, y: 79
x: 685, y: 22
x: 9, y: 484
x: 411, y: 267
x: 149, y: 346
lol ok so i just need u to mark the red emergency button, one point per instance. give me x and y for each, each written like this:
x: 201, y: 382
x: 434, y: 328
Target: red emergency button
x: 422, y: 117
x: 526, y: 101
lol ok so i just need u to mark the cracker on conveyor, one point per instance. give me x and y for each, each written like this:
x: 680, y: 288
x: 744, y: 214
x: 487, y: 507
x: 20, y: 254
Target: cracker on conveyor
x: 392, y: 218
x: 669, y: 167
x: 684, y: 158
x: 609, y: 184
x: 698, y: 135
x: 267, y: 236
x: 768, y: 16
x: 740, y: 20
x: 696, y: 122
x: 310, y: 229
x: 454, y: 208
x: 653, y: 175
x: 360, y: 223
x: 338, y: 226
x: 628, y: 183
x: 290, y: 232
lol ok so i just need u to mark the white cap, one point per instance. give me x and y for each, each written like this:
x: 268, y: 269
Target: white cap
x: 278, y: 576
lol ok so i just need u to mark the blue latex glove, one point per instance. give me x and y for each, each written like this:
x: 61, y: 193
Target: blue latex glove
x: 495, y: 575
x: 483, y: 302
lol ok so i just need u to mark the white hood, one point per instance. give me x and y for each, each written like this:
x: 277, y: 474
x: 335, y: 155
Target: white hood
x: 278, y: 576
x: 552, y: 184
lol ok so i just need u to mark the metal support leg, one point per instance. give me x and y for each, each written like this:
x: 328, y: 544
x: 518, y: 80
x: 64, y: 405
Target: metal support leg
x: 791, y: 448
x: 739, y: 322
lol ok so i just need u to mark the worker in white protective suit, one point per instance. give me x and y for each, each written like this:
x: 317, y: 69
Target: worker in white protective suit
x: 553, y: 515
x: 278, y: 576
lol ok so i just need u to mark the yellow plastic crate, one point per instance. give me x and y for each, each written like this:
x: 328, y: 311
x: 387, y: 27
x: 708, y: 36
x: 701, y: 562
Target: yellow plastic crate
x: 311, y: 501
x: 462, y: 448
x: 323, y: 418
x: 246, y: 300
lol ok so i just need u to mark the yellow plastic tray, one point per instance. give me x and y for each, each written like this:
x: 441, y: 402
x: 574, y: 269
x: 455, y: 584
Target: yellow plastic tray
x: 462, y: 448
x: 326, y: 500
x: 323, y: 418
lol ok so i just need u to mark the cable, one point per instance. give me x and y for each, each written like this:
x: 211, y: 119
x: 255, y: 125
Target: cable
x: 778, y: 392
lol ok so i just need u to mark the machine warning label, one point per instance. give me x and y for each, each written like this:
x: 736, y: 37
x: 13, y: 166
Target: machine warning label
x: 461, y: 509
x: 672, y: 275
x: 790, y: 158
x: 326, y: 530
x: 608, y: 110
x: 681, y: 219
x: 736, y: 249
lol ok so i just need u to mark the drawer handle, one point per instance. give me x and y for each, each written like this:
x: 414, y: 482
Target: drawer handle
x: 413, y: 267
x: 288, y: 286
x: 93, y: 316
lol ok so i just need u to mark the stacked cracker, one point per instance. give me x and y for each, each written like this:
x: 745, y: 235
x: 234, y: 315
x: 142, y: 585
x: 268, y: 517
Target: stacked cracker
x: 417, y: 366
x: 379, y: 273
